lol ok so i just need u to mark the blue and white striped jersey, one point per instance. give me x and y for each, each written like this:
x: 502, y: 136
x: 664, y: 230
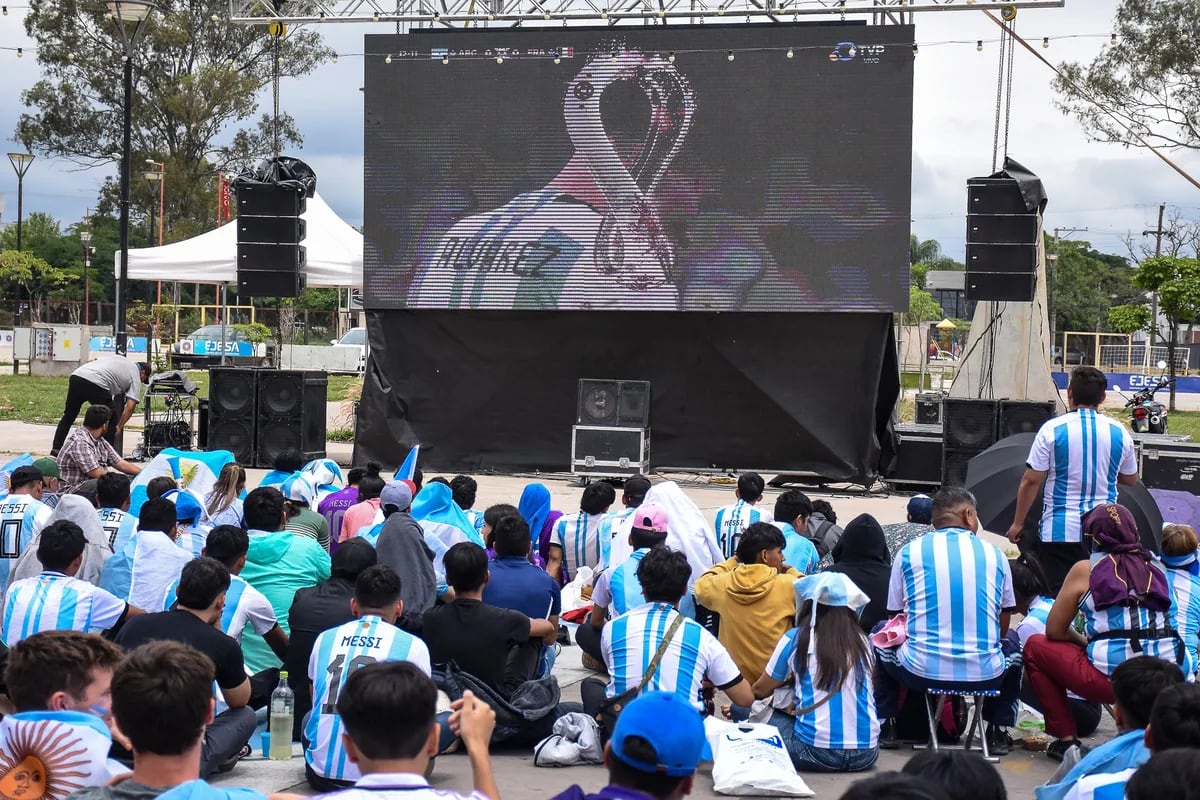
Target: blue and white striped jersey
x: 398, y: 786
x: 618, y: 589
x: 22, y: 517
x: 798, y: 552
x: 614, y: 529
x: 952, y: 586
x: 1035, y: 621
x: 1082, y: 453
x: 336, y: 653
x: 118, y: 526
x: 847, y: 720
x: 731, y: 521
x: 583, y: 542
x: 193, y: 539
x: 244, y: 605
x: 1185, y: 588
x: 476, y: 518
x: 54, y: 602
x: 630, y: 641
x: 1107, y: 654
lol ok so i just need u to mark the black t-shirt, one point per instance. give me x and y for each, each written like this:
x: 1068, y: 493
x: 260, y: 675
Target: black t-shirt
x: 481, y: 639
x: 187, y: 628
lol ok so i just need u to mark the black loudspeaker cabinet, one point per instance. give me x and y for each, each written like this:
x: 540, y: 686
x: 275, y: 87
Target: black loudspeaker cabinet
x: 269, y: 200
x: 1006, y: 258
x: 1000, y: 287
x: 270, y: 257
x: 918, y: 457
x: 954, y: 465
x: 1023, y: 416
x: 605, y: 402
x: 969, y: 424
x: 1174, y: 466
x: 929, y: 408
x: 995, y: 196
x: 605, y: 451
x: 202, y: 425
x: 1002, y: 229
x: 231, y: 412
x: 261, y: 283
x: 271, y: 230
x: 290, y: 414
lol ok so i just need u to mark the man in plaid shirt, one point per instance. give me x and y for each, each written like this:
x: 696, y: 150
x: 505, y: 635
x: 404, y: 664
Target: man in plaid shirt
x: 87, y: 454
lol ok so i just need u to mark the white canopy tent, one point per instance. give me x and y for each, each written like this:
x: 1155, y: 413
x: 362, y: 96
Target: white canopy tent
x: 333, y: 254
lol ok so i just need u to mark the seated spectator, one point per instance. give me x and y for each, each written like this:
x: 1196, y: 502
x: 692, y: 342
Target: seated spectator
x: 518, y: 585
x: 731, y: 520
x: 492, y: 515
x: 334, y: 507
x: 935, y: 580
x: 1174, y: 724
x: 689, y: 532
x: 286, y: 464
x: 753, y: 592
x: 617, y: 589
x: 827, y: 658
x: 365, y: 512
x: 77, y: 510
x: 194, y: 621
x: 1183, y: 573
x: 616, y: 525
x: 87, y: 454
x: 862, y: 555
x: 55, y: 599
x: 22, y: 517
x: 158, y: 487
x: 655, y: 749
x: 464, y: 489
x: 223, y: 505
x: 1137, y: 684
x: 157, y: 560
x: 372, y: 636
x: 51, y: 484
x: 535, y: 507
x: 792, y: 510
x: 319, y: 608
x: 895, y: 786
x: 389, y: 712
x: 162, y: 700
x: 918, y: 522
x: 434, y: 508
x: 577, y: 540
x: 302, y: 519
x: 823, y: 530
x: 403, y: 546
x: 189, y: 514
x: 964, y: 776
x: 1127, y: 608
x: 630, y: 642
x: 1175, y: 775
x: 112, y: 492
x: 59, y: 683
x: 485, y: 641
x: 278, y: 564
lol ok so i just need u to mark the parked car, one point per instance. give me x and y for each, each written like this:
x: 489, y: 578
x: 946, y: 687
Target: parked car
x: 355, y: 337
x: 1074, y: 358
x: 202, y: 348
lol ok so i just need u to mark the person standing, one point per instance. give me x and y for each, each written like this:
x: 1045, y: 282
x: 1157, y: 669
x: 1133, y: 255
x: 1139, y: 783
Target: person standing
x: 112, y: 381
x: 1083, y: 456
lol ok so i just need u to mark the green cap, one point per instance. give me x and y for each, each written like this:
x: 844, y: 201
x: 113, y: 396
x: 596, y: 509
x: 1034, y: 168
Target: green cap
x: 48, y: 467
x: 283, y: 674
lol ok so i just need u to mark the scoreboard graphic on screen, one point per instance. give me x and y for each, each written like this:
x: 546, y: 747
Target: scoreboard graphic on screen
x: 706, y: 168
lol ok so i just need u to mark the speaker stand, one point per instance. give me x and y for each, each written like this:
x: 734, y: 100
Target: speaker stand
x: 1008, y: 350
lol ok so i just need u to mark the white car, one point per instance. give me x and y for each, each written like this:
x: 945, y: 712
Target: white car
x: 355, y: 337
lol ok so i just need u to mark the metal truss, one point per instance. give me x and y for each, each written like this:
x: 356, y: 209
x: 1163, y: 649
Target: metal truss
x: 529, y: 13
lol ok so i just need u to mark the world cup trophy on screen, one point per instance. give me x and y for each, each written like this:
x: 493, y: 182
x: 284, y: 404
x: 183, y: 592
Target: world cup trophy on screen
x: 593, y: 237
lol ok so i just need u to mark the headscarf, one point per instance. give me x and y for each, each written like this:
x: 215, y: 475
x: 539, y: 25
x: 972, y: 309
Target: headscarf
x: 534, y: 506
x: 1127, y: 574
x: 325, y: 475
x: 434, y: 506
x: 688, y: 531
x: 96, y: 551
x: 862, y: 555
x: 830, y: 589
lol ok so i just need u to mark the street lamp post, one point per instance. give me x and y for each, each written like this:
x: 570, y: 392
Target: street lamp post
x: 85, y: 236
x: 130, y: 16
x: 20, y: 162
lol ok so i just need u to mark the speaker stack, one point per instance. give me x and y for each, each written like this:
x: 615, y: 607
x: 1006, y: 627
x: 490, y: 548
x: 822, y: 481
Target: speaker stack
x: 257, y: 414
x: 972, y: 426
x: 270, y: 258
x: 1002, y: 242
x: 611, y: 437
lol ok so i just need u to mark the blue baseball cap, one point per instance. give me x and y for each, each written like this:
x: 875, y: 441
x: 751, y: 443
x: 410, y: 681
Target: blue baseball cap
x: 673, y: 728
x: 187, y: 506
x: 920, y: 508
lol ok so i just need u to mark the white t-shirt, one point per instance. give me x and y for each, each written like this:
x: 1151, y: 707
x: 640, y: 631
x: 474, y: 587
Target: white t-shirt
x: 398, y: 786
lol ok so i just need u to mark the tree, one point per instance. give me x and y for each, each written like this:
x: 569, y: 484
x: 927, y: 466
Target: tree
x: 1176, y: 280
x: 1130, y: 319
x: 196, y: 77
x: 38, y: 277
x: 925, y: 255
x: 1149, y: 82
x: 1087, y: 284
x: 921, y: 307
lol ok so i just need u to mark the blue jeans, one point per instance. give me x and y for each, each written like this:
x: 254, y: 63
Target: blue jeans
x: 807, y: 758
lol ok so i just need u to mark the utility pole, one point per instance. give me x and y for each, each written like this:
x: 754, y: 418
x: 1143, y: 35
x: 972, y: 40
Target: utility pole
x: 1157, y: 233
x: 1052, y: 270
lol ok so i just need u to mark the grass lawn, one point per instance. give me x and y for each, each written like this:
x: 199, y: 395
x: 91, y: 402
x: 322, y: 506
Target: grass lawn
x: 40, y: 400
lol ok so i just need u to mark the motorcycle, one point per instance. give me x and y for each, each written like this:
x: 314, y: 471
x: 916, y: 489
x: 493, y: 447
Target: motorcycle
x: 1147, y: 415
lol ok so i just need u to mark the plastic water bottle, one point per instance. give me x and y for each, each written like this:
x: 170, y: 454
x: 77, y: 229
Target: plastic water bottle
x: 283, y: 713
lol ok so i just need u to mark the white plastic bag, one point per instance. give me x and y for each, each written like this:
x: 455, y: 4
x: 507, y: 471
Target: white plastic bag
x: 750, y: 759
x: 575, y: 740
x: 572, y: 593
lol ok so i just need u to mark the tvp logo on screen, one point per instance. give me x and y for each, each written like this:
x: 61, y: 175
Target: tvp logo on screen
x: 849, y: 51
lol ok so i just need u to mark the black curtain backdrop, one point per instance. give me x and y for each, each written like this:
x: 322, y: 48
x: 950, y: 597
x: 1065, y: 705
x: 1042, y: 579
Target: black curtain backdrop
x: 484, y: 391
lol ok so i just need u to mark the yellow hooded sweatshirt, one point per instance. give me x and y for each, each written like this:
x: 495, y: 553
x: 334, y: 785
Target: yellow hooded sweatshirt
x: 757, y: 605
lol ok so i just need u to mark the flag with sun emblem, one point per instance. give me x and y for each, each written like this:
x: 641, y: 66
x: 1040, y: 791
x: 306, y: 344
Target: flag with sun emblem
x: 191, y: 469
x: 47, y: 755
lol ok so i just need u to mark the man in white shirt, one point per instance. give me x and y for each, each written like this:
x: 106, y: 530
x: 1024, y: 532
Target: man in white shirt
x: 22, y: 517
x: 157, y: 560
x: 112, y: 381
x: 112, y: 492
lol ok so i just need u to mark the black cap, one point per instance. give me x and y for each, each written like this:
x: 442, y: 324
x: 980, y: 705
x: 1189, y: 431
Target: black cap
x: 352, y: 557
x: 22, y: 476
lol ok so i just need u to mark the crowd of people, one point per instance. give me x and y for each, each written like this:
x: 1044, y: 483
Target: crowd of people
x: 412, y: 624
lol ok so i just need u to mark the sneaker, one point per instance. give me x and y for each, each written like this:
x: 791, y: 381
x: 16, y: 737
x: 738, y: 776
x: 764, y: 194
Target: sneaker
x: 887, y: 735
x: 998, y: 741
x: 1058, y: 748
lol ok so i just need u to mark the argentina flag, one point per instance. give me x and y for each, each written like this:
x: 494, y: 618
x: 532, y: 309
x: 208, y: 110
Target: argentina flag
x: 7, y: 470
x: 191, y: 469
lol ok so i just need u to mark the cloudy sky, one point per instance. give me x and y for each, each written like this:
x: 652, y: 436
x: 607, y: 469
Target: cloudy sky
x: 1108, y: 189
